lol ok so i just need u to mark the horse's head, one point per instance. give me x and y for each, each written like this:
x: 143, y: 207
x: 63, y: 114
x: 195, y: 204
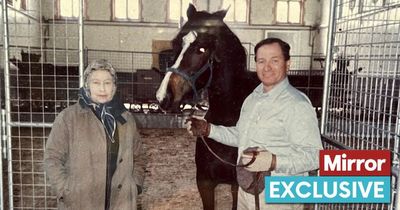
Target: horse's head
x: 197, y: 51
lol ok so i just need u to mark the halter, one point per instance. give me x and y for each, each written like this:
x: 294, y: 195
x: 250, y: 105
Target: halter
x: 192, y: 78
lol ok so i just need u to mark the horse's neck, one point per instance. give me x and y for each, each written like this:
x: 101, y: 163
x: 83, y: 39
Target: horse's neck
x: 228, y: 94
x: 224, y: 109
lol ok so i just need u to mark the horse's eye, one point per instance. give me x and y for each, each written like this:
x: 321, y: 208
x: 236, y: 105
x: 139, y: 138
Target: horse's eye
x: 202, y: 49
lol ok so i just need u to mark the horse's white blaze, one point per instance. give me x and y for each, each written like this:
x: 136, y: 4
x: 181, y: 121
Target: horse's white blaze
x: 162, y: 90
x: 186, y: 41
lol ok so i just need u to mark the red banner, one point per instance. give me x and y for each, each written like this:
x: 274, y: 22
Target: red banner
x: 354, y: 162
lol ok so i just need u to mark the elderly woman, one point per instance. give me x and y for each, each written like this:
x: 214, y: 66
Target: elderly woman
x: 92, y: 150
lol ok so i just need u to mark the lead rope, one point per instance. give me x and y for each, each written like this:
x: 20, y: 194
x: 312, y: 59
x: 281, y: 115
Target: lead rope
x: 256, y: 175
x: 254, y: 153
x: 253, y: 158
x: 226, y: 162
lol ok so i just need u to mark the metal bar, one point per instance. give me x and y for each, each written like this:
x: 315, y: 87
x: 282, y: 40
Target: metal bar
x: 3, y: 154
x: 3, y: 143
x: 3, y: 135
x: 7, y: 100
x: 31, y: 124
x: 335, y: 143
x: 81, y: 47
x: 327, y: 76
x: 397, y: 200
x: 31, y: 17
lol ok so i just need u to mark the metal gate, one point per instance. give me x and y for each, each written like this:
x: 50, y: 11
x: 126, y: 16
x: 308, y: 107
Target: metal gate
x: 41, y: 66
x: 361, y: 108
x: 361, y: 94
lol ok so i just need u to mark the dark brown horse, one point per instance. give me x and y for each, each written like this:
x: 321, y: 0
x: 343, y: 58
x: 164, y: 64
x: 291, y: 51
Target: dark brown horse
x: 209, y: 57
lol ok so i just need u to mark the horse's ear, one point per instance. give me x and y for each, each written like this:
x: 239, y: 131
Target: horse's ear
x: 190, y: 11
x: 222, y: 13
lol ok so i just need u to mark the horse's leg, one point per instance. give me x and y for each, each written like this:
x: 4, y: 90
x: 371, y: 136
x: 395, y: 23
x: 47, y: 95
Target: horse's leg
x: 234, y: 191
x: 206, y: 189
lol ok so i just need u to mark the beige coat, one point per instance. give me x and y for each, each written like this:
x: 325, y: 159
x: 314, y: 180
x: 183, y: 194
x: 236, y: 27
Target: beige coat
x: 75, y: 161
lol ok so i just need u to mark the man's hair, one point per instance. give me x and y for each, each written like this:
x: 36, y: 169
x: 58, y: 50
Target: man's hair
x: 284, y: 46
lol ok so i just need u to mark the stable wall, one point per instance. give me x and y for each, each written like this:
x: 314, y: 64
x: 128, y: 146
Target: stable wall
x: 101, y: 33
x: 139, y: 36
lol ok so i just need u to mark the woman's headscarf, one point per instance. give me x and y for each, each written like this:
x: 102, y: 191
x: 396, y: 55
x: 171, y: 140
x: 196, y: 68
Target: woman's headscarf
x: 110, y: 112
x: 95, y: 65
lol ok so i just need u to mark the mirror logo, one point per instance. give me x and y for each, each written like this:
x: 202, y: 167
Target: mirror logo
x: 346, y: 176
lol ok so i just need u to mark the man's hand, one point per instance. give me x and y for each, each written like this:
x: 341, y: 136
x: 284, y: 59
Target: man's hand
x: 198, y: 126
x: 265, y: 160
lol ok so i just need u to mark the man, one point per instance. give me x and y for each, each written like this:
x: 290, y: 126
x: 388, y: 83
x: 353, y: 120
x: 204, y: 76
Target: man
x: 277, y: 119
